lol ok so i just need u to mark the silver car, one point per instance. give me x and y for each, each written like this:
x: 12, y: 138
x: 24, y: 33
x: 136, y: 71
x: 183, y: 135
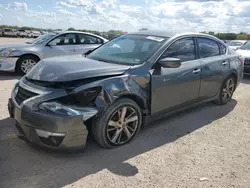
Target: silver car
x: 236, y: 44
x: 22, y: 57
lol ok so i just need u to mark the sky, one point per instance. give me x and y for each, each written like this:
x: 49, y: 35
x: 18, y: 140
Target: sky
x: 129, y: 15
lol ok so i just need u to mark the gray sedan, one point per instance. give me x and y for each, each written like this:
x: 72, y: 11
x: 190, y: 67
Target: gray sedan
x: 119, y: 86
x: 22, y: 57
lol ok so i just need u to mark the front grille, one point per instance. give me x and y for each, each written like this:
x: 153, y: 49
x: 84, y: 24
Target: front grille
x: 23, y: 95
x: 247, y: 62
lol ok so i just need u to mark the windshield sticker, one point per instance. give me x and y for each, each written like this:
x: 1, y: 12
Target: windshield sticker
x: 137, y: 60
x: 158, y: 39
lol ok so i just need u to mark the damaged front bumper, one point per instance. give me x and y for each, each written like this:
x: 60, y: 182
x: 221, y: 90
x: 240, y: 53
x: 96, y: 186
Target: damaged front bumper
x: 48, y: 129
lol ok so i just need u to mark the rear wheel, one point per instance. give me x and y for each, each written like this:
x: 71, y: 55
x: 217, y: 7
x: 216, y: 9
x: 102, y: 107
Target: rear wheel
x: 118, y: 125
x: 226, y: 91
x: 26, y: 63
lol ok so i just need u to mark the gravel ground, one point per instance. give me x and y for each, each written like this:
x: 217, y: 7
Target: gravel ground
x: 208, y: 146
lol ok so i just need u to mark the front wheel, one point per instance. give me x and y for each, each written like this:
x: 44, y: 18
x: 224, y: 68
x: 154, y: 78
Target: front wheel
x: 118, y: 125
x: 26, y: 63
x: 226, y: 91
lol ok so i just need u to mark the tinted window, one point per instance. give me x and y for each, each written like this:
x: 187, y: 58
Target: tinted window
x: 183, y: 49
x: 65, y: 39
x: 208, y: 48
x: 87, y: 39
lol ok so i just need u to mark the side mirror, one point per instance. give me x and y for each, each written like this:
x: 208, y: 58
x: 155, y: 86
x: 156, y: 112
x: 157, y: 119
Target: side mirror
x: 170, y: 62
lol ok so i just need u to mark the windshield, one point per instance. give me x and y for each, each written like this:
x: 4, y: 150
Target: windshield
x: 235, y: 43
x: 42, y: 38
x: 128, y: 49
x: 246, y: 46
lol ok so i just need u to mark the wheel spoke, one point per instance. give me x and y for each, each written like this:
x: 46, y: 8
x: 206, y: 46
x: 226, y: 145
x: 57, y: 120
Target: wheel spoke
x: 132, y: 119
x: 127, y: 132
x: 111, y: 129
x: 113, y: 124
x: 130, y: 128
x: 119, y: 138
x: 116, y: 135
x: 123, y: 114
x: 224, y: 96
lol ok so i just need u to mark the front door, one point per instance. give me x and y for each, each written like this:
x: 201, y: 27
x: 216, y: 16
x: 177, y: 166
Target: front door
x: 173, y: 88
x: 64, y: 44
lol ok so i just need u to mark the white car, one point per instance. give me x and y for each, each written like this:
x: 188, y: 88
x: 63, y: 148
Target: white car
x: 236, y: 44
x: 22, y: 33
x: 245, y: 52
x: 34, y: 34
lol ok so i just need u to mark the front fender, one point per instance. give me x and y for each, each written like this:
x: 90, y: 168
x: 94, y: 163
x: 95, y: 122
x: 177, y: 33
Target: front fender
x: 134, y: 87
x: 30, y: 51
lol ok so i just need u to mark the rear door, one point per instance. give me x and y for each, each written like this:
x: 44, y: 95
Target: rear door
x: 173, y: 88
x: 64, y: 44
x: 87, y: 42
x: 214, y: 64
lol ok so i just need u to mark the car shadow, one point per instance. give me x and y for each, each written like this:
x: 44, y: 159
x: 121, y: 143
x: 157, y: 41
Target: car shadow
x: 25, y: 166
x: 9, y: 76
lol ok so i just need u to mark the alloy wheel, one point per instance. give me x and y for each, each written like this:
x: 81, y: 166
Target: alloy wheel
x: 122, y: 125
x: 27, y: 65
x: 228, y: 90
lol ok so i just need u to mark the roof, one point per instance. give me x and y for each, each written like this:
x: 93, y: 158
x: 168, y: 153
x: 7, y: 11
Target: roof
x: 160, y: 33
x: 86, y: 33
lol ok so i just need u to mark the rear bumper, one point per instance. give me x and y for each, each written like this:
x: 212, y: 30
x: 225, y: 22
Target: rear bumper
x: 8, y: 63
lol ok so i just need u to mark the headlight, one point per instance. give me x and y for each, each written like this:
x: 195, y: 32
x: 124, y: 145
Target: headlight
x: 81, y: 98
x: 59, y: 109
x: 7, y: 52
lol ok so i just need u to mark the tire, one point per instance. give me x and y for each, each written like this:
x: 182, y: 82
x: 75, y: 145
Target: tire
x: 227, y: 90
x: 105, y: 127
x: 30, y: 61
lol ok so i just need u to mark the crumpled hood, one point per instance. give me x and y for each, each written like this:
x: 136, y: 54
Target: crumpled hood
x: 22, y: 45
x: 244, y: 53
x: 69, y: 68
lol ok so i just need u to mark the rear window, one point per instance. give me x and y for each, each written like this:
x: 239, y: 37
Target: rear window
x: 208, y: 48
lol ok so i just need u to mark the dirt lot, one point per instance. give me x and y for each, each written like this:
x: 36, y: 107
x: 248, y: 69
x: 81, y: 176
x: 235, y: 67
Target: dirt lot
x: 209, y: 141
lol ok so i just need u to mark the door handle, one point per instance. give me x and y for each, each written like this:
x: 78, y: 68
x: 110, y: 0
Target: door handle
x: 224, y: 63
x: 195, y: 71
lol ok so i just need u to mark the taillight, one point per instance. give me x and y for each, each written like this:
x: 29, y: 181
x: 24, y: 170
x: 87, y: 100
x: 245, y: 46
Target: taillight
x: 242, y: 59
